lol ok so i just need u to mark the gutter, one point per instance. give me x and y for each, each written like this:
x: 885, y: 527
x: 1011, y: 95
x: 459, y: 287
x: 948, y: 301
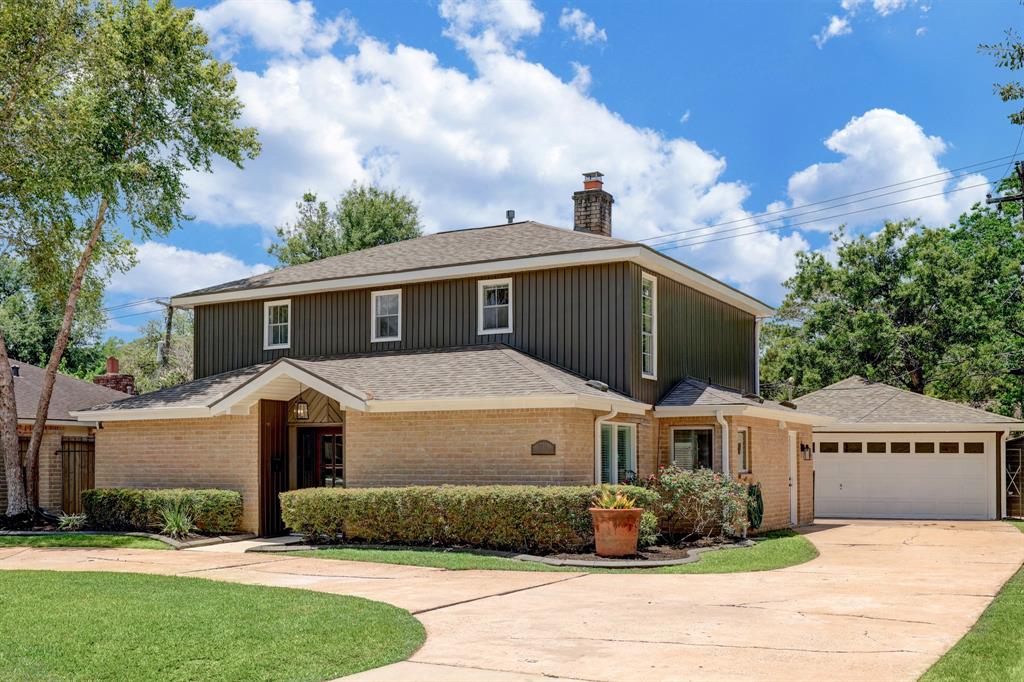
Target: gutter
x: 720, y: 418
x: 598, y: 421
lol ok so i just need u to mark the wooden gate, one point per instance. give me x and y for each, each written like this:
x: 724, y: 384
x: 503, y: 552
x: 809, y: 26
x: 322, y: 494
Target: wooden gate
x: 1014, y: 478
x: 78, y: 461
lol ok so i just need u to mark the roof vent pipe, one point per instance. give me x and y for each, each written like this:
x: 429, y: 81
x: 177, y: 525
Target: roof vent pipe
x: 510, y: 215
x: 15, y: 371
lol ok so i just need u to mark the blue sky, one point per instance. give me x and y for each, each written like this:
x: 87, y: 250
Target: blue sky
x: 698, y: 113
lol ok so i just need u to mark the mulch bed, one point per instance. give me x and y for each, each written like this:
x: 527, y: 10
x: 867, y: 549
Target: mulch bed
x: 26, y: 521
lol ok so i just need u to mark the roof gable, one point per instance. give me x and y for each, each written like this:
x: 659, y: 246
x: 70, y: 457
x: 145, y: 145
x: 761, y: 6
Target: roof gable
x: 856, y: 400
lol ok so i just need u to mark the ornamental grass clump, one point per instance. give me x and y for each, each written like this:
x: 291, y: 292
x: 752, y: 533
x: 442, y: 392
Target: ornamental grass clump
x: 700, y: 503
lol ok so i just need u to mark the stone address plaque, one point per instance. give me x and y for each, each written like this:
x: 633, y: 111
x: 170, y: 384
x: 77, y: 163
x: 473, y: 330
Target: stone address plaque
x: 542, y: 447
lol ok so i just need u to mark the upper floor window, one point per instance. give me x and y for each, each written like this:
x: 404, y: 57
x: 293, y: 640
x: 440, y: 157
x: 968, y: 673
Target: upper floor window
x: 494, y: 306
x: 386, y: 315
x: 277, y: 324
x: 649, y: 326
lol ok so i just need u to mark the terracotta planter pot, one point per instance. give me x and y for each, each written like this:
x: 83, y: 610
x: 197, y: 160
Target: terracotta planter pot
x: 616, y: 531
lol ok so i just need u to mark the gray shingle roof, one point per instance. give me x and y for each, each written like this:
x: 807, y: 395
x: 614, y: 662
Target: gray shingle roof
x: 456, y: 247
x: 477, y: 371
x: 69, y: 393
x: 857, y: 400
x: 692, y: 392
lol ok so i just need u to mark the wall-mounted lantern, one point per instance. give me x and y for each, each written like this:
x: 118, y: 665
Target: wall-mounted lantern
x: 301, y: 407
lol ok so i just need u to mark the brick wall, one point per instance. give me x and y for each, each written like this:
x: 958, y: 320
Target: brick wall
x: 471, y: 447
x: 769, y: 455
x: 218, y: 452
x: 50, y: 490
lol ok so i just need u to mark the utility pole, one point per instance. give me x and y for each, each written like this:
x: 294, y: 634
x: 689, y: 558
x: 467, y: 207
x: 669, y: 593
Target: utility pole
x: 163, y: 349
x: 1019, y: 168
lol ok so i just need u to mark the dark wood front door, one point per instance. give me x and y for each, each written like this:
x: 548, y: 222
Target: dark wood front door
x: 321, y: 457
x: 273, y: 464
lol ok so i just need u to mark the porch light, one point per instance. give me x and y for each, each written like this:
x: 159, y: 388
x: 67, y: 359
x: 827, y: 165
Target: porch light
x: 301, y: 408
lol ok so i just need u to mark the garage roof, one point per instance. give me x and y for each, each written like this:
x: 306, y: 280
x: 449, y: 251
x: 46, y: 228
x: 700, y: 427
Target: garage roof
x: 857, y: 400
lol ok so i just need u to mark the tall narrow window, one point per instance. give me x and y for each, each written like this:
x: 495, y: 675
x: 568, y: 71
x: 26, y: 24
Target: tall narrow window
x: 691, y: 448
x: 277, y: 324
x: 649, y: 326
x: 494, y: 309
x: 743, y: 450
x: 618, y: 453
x: 386, y: 315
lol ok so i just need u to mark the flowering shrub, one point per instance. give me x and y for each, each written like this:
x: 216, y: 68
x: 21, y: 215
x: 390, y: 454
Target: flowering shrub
x: 701, y: 502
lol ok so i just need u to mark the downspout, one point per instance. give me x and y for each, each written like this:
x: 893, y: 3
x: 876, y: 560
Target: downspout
x: 725, y: 443
x: 597, y: 442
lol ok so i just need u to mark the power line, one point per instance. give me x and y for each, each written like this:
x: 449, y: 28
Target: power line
x: 946, y: 178
x: 822, y: 218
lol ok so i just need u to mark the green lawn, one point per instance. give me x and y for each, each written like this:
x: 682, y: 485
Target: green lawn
x: 777, y: 549
x: 123, y: 626
x: 994, y: 648
x: 76, y: 540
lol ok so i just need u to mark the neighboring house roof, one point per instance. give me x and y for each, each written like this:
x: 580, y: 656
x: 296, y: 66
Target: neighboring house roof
x: 858, y: 401
x: 692, y: 397
x: 469, y: 252
x: 69, y: 394
x: 475, y: 377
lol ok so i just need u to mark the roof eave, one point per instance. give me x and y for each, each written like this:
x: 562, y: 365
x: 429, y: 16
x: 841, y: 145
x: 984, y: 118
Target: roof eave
x: 919, y: 427
x: 783, y: 415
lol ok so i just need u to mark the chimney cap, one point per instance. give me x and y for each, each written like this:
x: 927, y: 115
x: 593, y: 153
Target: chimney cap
x: 592, y: 180
x: 593, y: 175
x: 113, y: 366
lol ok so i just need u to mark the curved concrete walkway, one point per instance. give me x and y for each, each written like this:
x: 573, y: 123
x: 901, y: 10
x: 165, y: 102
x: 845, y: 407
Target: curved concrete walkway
x: 883, y: 601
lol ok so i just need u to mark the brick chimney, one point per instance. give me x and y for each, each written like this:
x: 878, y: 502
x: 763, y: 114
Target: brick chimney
x: 114, y: 379
x: 593, y: 206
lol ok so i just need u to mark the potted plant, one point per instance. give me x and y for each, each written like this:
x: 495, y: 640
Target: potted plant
x: 616, y: 523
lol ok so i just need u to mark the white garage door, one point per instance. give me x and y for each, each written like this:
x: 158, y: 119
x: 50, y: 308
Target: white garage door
x: 881, y: 480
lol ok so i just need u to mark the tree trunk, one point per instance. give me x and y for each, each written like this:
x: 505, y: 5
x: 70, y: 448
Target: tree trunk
x: 16, y: 502
x: 916, y: 380
x: 59, y: 346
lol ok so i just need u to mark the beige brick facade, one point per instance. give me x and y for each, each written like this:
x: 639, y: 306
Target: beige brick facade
x: 769, y: 462
x: 218, y: 452
x: 50, y: 465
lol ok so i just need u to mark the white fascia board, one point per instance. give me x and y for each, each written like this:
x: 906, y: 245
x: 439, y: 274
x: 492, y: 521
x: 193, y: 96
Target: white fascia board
x: 742, y: 411
x: 348, y: 398
x: 918, y: 427
x: 644, y: 256
x: 552, y: 401
x: 141, y: 414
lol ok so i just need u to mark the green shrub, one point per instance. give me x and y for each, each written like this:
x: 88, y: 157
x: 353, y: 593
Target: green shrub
x: 212, y: 511
x: 648, y: 529
x: 701, y: 502
x: 540, y: 519
x: 72, y: 522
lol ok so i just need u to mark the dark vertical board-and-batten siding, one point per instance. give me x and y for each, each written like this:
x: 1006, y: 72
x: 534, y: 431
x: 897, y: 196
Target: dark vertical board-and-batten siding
x: 585, y: 319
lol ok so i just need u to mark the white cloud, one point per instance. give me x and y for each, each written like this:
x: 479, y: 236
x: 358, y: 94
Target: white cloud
x: 836, y: 26
x: 685, y: 117
x: 581, y: 77
x: 921, y: 31
x: 483, y: 26
x: 468, y: 146
x: 277, y: 26
x: 841, y: 25
x: 582, y: 27
x: 883, y: 147
x: 164, y: 270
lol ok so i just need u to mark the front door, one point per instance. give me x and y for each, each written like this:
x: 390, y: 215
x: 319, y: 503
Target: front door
x: 321, y: 458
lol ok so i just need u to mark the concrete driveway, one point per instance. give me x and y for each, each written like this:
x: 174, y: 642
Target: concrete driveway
x: 883, y: 601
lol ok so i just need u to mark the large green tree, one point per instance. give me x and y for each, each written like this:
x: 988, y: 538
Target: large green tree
x: 148, y: 358
x: 364, y: 216
x: 100, y: 137
x: 932, y: 310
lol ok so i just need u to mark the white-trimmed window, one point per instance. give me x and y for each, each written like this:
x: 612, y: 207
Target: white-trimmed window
x: 692, y: 448
x: 386, y: 315
x: 494, y: 306
x: 617, y: 459
x: 649, y: 326
x: 277, y: 324
x: 743, y: 450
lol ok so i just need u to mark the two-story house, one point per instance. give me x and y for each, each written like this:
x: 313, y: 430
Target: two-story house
x: 516, y: 353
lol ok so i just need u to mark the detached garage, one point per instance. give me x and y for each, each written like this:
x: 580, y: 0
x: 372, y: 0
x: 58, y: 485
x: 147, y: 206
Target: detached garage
x: 896, y: 454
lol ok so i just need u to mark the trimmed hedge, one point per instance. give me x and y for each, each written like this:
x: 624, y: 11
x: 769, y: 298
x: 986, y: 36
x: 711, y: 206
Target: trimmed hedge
x: 213, y: 511
x: 523, y: 518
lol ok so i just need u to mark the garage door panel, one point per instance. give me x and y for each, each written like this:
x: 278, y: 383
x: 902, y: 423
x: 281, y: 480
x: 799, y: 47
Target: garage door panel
x: 916, y: 486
